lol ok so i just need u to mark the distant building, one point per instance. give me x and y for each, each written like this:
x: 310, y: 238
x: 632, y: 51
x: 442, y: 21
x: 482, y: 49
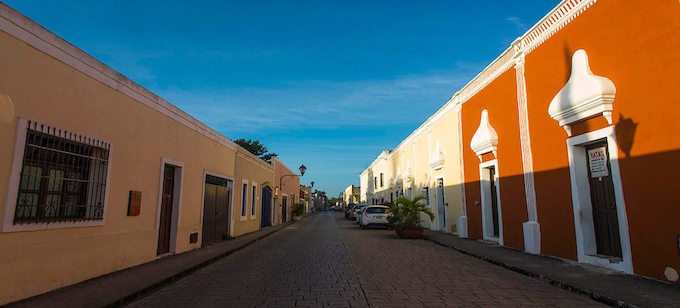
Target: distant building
x: 350, y: 195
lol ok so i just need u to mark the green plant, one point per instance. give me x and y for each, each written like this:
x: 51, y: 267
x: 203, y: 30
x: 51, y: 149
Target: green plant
x: 405, y: 213
x: 298, y: 209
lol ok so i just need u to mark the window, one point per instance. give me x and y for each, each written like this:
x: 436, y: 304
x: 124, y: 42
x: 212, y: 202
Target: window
x: 252, y: 205
x: 381, y: 180
x: 377, y: 210
x: 375, y: 181
x: 63, y: 177
x: 244, y: 199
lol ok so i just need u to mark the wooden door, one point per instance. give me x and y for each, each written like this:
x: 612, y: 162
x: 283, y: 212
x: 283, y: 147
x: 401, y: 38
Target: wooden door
x: 441, y: 205
x: 283, y: 208
x: 605, y: 216
x: 222, y: 198
x: 215, y: 209
x: 209, y: 197
x: 165, y: 223
x: 265, y: 217
x: 494, y: 200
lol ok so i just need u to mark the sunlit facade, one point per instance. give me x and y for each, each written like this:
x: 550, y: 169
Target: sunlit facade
x: 565, y: 143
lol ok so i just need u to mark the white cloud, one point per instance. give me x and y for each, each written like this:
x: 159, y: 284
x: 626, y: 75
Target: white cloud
x: 517, y: 22
x: 323, y: 104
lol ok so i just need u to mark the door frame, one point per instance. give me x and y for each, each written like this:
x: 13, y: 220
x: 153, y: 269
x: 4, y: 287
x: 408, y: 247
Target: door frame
x: 282, y: 209
x: 264, y: 186
x: 176, y: 201
x: 436, y: 187
x: 487, y: 215
x: 275, y: 210
x: 582, y: 205
x: 207, y: 172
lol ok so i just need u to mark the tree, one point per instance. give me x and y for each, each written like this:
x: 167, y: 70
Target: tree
x: 256, y: 147
x: 320, y: 193
x: 332, y: 201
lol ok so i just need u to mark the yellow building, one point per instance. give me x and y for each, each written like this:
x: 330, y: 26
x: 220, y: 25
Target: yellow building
x: 351, y: 195
x: 98, y: 174
x: 426, y: 163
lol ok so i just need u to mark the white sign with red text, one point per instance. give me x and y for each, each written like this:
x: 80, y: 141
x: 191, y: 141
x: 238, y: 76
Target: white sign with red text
x: 597, y: 161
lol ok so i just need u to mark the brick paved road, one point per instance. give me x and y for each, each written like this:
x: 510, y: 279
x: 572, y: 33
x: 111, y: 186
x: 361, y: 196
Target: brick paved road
x: 328, y: 261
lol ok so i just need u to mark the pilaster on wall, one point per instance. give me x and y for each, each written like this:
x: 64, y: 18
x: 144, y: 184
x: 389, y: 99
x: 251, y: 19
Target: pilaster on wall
x: 462, y: 220
x: 532, y: 234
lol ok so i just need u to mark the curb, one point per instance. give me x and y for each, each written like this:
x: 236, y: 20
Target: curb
x: 156, y: 286
x: 563, y: 285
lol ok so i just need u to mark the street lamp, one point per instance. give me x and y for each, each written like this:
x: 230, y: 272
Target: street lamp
x: 302, y: 173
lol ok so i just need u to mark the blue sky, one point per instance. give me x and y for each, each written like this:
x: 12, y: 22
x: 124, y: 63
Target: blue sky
x: 326, y: 83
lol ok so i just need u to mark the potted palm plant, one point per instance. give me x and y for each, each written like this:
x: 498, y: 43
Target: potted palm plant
x: 405, y: 216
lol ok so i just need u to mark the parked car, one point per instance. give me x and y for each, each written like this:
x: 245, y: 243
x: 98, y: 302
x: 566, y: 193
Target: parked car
x: 358, y: 213
x: 374, y: 215
x: 353, y: 214
x: 347, y: 209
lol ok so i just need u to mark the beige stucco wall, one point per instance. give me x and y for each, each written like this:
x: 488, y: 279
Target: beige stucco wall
x: 38, y: 87
x: 363, y: 182
x: 254, y: 172
x: 414, y: 154
x: 446, y: 131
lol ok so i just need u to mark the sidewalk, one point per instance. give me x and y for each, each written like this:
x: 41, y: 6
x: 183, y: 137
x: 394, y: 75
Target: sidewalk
x: 123, y: 286
x: 607, y: 286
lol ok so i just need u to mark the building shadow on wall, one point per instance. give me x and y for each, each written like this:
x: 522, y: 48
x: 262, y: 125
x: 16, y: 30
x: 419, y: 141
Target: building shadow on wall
x: 625, y: 134
x: 650, y: 199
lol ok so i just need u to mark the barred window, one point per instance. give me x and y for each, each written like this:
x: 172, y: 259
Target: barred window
x: 63, y: 177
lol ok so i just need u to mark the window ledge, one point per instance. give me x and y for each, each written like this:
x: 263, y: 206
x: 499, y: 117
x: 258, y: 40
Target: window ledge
x: 10, y: 227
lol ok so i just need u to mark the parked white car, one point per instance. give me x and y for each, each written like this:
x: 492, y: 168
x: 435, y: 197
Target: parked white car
x: 374, y: 215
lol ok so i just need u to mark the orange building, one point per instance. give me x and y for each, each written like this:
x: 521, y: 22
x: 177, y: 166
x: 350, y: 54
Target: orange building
x: 569, y: 138
x: 286, y: 191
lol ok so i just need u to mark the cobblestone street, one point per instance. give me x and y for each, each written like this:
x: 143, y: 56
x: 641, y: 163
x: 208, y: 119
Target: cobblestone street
x: 329, y: 261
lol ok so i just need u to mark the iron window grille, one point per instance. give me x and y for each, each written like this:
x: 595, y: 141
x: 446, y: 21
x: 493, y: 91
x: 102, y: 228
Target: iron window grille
x: 63, y: 177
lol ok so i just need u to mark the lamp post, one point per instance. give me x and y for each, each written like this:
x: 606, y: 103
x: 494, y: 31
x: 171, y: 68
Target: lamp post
x: 302, y: 173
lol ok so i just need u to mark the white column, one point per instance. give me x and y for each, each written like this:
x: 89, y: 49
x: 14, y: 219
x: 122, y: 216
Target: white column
x: 532, y: 232
x: 462, y: 220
